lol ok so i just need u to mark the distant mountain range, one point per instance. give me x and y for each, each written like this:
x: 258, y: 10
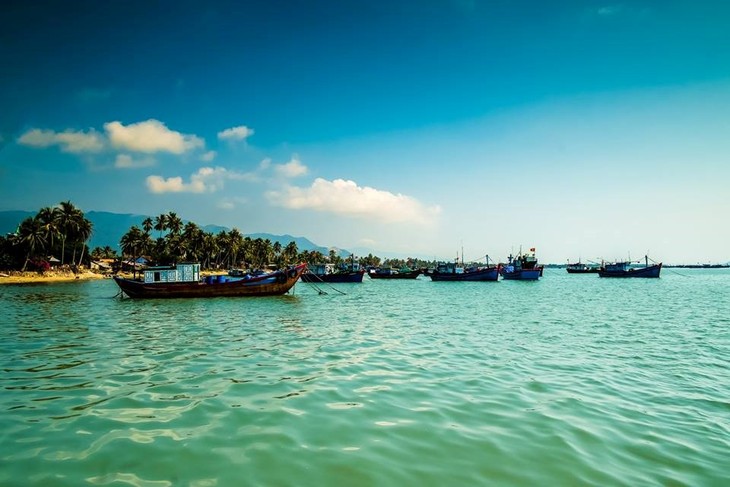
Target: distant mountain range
x: 109, y: 228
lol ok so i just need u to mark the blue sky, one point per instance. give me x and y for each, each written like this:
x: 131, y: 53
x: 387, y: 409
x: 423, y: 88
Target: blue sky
x: 591, y: 129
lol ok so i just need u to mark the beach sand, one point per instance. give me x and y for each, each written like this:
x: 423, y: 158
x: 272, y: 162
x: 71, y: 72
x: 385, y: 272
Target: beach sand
x: 17, y: 277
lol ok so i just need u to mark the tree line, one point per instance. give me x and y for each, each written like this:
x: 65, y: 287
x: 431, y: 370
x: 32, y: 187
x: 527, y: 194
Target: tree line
x: 60, y: 230
x: 63, y: 231
x: 187, y: 242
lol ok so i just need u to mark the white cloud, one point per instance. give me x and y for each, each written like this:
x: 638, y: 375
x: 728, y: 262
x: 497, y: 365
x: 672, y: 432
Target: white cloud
x: 347, y: 198
x: 291, y: 169
x: 69, y: 140
x: 206, y: 180
x: 231, y: 203
x: 208, y: 156
x: 125, y: 161
x: 150, y: 136
x: 236, y: 133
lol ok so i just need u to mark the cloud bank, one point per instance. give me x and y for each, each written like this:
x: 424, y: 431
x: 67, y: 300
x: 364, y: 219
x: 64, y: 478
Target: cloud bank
x: 346, y: 198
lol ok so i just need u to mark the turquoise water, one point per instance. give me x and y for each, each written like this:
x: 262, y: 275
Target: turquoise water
x: 571, y: 380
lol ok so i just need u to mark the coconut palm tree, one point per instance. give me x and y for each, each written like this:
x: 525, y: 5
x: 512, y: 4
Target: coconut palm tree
x: 84, y: 229
x: 290, y: 253
x: 174, y: 223
x: 235, y: 243
x: 147, y: 225
x: 48, y: 217
x: 161, y: 223
x: 135, y: 243
x: 66, y: 221
x: 210, y: 248
x: 32, y: 237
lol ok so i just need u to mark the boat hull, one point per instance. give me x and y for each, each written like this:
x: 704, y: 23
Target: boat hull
x: 339, y: 277
x: 522, y: 274
x: 272, y: 284
x: 485, y: 274
x: 396, y: 275
x: 651, y: 271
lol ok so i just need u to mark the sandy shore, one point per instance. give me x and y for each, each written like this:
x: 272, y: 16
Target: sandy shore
x: 17, y: 277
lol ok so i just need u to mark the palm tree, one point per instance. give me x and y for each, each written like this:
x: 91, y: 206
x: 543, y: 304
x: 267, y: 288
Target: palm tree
x: 147, y: 225
x: 31, y: 236
x: 290, y: 252
x: 210, y: 248
x: 174, y: 223
x: 190, y: 241
x: 276, y: 249
x: 66, y: 220
x: 133, y: 244
x: 48, y: 216
x: 161, y: 223
x: 235, y: 243
x: 108, y: 252
x: 84, y: 229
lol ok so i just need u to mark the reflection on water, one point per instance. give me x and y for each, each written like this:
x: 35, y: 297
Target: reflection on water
x: 567, y: 381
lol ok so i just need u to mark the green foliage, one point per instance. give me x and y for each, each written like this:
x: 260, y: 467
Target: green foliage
x: 60, y: 231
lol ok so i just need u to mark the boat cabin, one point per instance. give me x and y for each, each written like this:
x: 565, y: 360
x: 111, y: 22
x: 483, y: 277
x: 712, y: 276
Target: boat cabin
x: 177, y: 273
x: 617, y: 266
x: 449, y: 268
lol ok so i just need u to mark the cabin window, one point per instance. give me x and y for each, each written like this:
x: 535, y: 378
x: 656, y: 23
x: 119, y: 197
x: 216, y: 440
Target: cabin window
x: 157, y: 277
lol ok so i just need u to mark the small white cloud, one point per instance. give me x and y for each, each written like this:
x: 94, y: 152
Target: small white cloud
x: 150, y: 136
x: 231, y: 203
x: 125, y: 161
x: 264, y: 164
x: 206, y: 180
x: 291, y: 169
x: 208, y: 156
x: 236, y: 133
x: 347, y: 198
x: 158, y: 184
x: 69, y: 140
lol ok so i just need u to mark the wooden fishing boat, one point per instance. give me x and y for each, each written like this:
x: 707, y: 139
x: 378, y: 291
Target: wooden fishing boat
x: 522, y: 267
x: 184, y: 281
x: 387, y: 273
x: 624, y: 269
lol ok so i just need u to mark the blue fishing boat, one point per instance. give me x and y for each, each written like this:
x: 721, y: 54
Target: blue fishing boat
x: 522, y: 267
x: 624, y: 269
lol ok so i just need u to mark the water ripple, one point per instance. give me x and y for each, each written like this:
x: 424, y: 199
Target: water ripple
x: 394, y: 383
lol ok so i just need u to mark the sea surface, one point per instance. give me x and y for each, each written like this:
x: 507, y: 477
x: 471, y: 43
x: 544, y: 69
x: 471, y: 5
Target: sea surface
x: 573, y: 380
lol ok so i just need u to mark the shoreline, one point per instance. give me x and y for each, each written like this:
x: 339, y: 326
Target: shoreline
x: 33, y: 277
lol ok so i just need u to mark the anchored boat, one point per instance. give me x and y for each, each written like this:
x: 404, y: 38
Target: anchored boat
x: 522, y: 267
x: 184, y: 281
x: 624, y: 269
